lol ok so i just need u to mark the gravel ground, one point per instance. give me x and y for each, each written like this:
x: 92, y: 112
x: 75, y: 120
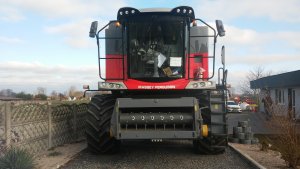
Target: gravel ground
x: 63, y: 154
x: 157, y: 155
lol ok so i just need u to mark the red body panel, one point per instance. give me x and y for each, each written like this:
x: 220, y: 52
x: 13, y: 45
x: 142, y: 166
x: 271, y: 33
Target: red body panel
x: 200, y: 61
x: 114, y: 67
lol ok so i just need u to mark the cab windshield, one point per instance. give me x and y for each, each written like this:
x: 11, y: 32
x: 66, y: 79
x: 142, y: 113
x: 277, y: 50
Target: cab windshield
x: 156, y: 47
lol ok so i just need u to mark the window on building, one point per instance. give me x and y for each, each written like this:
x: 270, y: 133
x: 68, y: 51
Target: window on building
x: 279, y: 94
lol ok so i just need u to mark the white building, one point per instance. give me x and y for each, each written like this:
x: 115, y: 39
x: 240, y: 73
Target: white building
x: 284, y: 90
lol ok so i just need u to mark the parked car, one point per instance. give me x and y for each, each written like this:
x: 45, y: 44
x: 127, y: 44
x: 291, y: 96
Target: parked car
x: 233, y: 107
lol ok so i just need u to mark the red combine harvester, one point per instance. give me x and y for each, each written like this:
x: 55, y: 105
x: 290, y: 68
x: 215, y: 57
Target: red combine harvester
x: 157, y: 72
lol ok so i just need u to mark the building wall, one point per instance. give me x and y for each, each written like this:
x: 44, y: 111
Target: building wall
x: 286, y: 99
x: 297, y: 102
x: 283, y: 102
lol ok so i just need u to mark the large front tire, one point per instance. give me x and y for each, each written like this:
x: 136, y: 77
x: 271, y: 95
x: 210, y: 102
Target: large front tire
x: 98, y: 125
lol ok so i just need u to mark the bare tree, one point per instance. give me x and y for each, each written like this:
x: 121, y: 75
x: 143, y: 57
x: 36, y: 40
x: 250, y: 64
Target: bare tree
x: 62, y: 96
x: 72, y: 91
x: 287, y: 140
x: 254, y: 74
x: 41, y: 90
x: 41, y: 94
x: 54, y: 95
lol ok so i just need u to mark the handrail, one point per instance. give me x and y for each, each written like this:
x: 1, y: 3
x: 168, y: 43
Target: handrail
x: 99, y: 57
x: 214, y: 49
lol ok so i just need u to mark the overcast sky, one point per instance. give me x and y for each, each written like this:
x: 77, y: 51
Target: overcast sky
x: 46, y: 43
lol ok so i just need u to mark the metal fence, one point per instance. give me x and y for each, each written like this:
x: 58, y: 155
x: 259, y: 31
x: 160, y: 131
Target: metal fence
x: 40, y: 126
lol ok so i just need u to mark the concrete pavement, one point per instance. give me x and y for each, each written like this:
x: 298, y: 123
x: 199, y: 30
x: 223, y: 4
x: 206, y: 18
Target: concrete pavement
x: 257, y: 121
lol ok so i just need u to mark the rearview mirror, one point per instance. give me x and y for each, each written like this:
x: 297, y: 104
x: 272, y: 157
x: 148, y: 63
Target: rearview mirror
x: 220, y: 28
x: 223, y: 55
x: 225, y: 77
x: 93, y: 29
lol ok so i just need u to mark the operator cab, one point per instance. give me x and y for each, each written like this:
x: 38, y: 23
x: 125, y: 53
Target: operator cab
x: 156, y: 41
x: 155, y: 46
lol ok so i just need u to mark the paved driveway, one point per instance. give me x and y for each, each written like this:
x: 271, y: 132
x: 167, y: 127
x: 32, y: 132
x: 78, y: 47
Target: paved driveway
x: 256, y: 120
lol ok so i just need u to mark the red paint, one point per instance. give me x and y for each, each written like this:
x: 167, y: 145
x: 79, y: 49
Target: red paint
x: 114, y: 67
x: 194, y: 66
x: 140, y: 85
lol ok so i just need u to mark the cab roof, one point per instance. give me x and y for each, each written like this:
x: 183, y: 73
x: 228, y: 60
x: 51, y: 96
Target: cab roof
x: 129, y: 12
x: 155, y: 10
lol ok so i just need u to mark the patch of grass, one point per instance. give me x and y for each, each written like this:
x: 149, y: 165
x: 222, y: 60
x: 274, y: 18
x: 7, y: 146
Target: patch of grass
x: 16, y: 158
x: 54, y: 153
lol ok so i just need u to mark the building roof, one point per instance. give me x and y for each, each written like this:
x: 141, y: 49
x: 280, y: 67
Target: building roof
x: 289, y: 79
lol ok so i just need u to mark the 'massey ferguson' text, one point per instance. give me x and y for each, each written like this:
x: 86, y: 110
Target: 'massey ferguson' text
x: 157, y: 87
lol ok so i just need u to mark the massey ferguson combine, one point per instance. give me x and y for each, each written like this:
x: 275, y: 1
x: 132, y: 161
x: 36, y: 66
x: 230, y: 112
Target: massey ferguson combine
x: 156, y: 71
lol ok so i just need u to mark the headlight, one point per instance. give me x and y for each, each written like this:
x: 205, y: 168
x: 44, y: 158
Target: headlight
x: 195, y: 85
x: 112, y: 86
x: 201, y: 85
x: 118, y: 86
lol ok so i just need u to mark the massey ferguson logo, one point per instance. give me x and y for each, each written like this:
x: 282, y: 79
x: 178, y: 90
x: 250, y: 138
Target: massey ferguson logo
x: 157, y: 87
